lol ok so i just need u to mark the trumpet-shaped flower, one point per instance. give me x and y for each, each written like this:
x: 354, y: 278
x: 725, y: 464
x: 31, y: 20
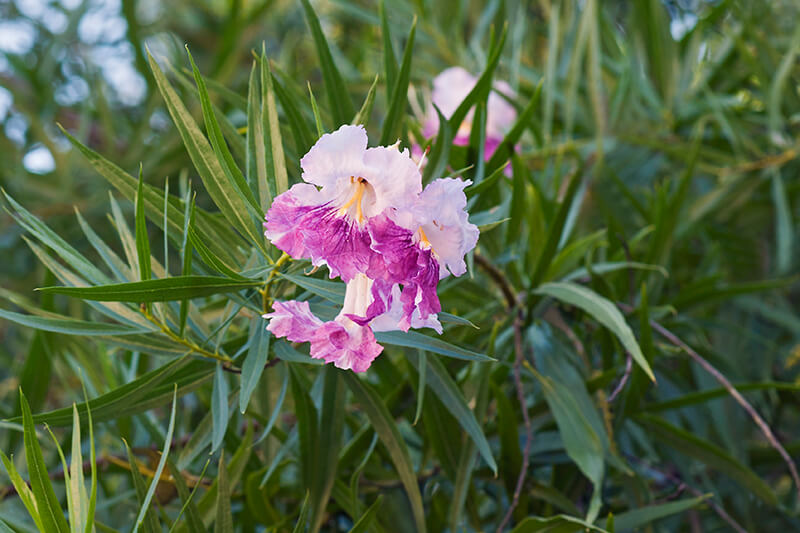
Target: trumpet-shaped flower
x: 328, y: 224
x: 363, y: 213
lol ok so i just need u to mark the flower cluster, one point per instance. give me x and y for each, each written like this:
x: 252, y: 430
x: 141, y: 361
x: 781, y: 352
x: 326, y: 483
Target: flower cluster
x: 363, y: 213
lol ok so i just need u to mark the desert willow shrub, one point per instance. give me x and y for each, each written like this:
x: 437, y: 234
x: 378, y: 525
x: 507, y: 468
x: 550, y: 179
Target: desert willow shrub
x: 577, y: 265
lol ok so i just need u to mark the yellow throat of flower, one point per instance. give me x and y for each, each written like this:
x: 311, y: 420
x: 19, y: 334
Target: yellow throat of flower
x: 361, y: 185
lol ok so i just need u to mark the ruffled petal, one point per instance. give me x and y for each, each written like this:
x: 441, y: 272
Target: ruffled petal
x: 441, y: 212
x: 335, y: 155
x: 342, y: 342
x: 283, y: 226
x: 346, y: 344
x: 336, y: 241
x: 303, y: 223
x: 394, y: 178
x: 393, y: 316
x: 293, y: 320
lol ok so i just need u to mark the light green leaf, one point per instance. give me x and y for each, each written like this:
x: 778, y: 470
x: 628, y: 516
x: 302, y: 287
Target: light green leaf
x: 221, y: 189
x: 161, y: 462
x: 602, y: 310
x: 47, y: 505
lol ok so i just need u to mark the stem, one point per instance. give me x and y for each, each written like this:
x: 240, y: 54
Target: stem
x: 519, y: 359
x: 722, y: 380
x: 193, y: 347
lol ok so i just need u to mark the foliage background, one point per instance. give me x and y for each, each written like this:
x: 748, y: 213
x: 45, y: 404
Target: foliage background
x: 657, y: 167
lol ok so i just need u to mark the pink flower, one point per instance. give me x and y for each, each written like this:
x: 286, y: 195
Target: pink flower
x: 450, y: 88
x: 423, y: 243
x: 372, y: 224
x: 356, y: 183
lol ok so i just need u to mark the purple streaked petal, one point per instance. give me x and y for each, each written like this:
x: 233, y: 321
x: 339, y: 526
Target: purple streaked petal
x: 293, y: 320
x: 391, y: 319
x: 336, y: 241
x: 283, y: 219
x: 342, y: 342
x: 346, y: 344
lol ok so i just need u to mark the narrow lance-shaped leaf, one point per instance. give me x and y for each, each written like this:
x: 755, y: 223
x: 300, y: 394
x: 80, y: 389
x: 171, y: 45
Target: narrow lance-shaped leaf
x: 223, y: 523
x: 149, y: 521
x: 161, y: 462
x: 156, y: 290
x: 254, y: 362
x: 603, y: 311
x: 222, y: 190
x: 341, y: 106
x: 448, y: 392
x: 219, y: 408
x: 218, y: 143
x: 399, y: 101
x: 272, y: 131
x: 378, y: 414
x: 47, y: 505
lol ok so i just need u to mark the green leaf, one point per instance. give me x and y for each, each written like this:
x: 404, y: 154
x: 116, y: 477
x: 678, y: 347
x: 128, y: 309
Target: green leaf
x: 224, y: 519
x: 219, y: 408
x: 221, y: 151
x: 90, y: 512
x: 710, y: 454
x: 272, y: 132
x: 156, y: 290
x: 150, y: 390
x: 71, y: 326
x: 380, y: 418
x: 399, y: 102
x: 302, y: 520
x: 47, y: 505
x: 193, y: 520
x: 413, y: 339
x: 362, y: 117
x: 254, y: 362
x: 331, y: 426
x: 340, y: 104
x: 315, y: 110
x: 23, y: 490
x: 637, y: 518
x: 451, y: 396
x: 603, y: 311
x: 77, y: 498
x: 581, y: 441
x: 556, y: 230
x: 307, y: 429
x: 365, y: 522
x: 555, y: 524
x: 389, y: 58
x: 161, y: 462
x: 147, y: 516
x: 222, y: 190
x: 142, y: 240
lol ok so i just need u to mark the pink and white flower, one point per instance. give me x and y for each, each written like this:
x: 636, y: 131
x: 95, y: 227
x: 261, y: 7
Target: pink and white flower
x: 363, y: 213
x: 450, y: 88
x: 328, y: 224
x: 424, y: 243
